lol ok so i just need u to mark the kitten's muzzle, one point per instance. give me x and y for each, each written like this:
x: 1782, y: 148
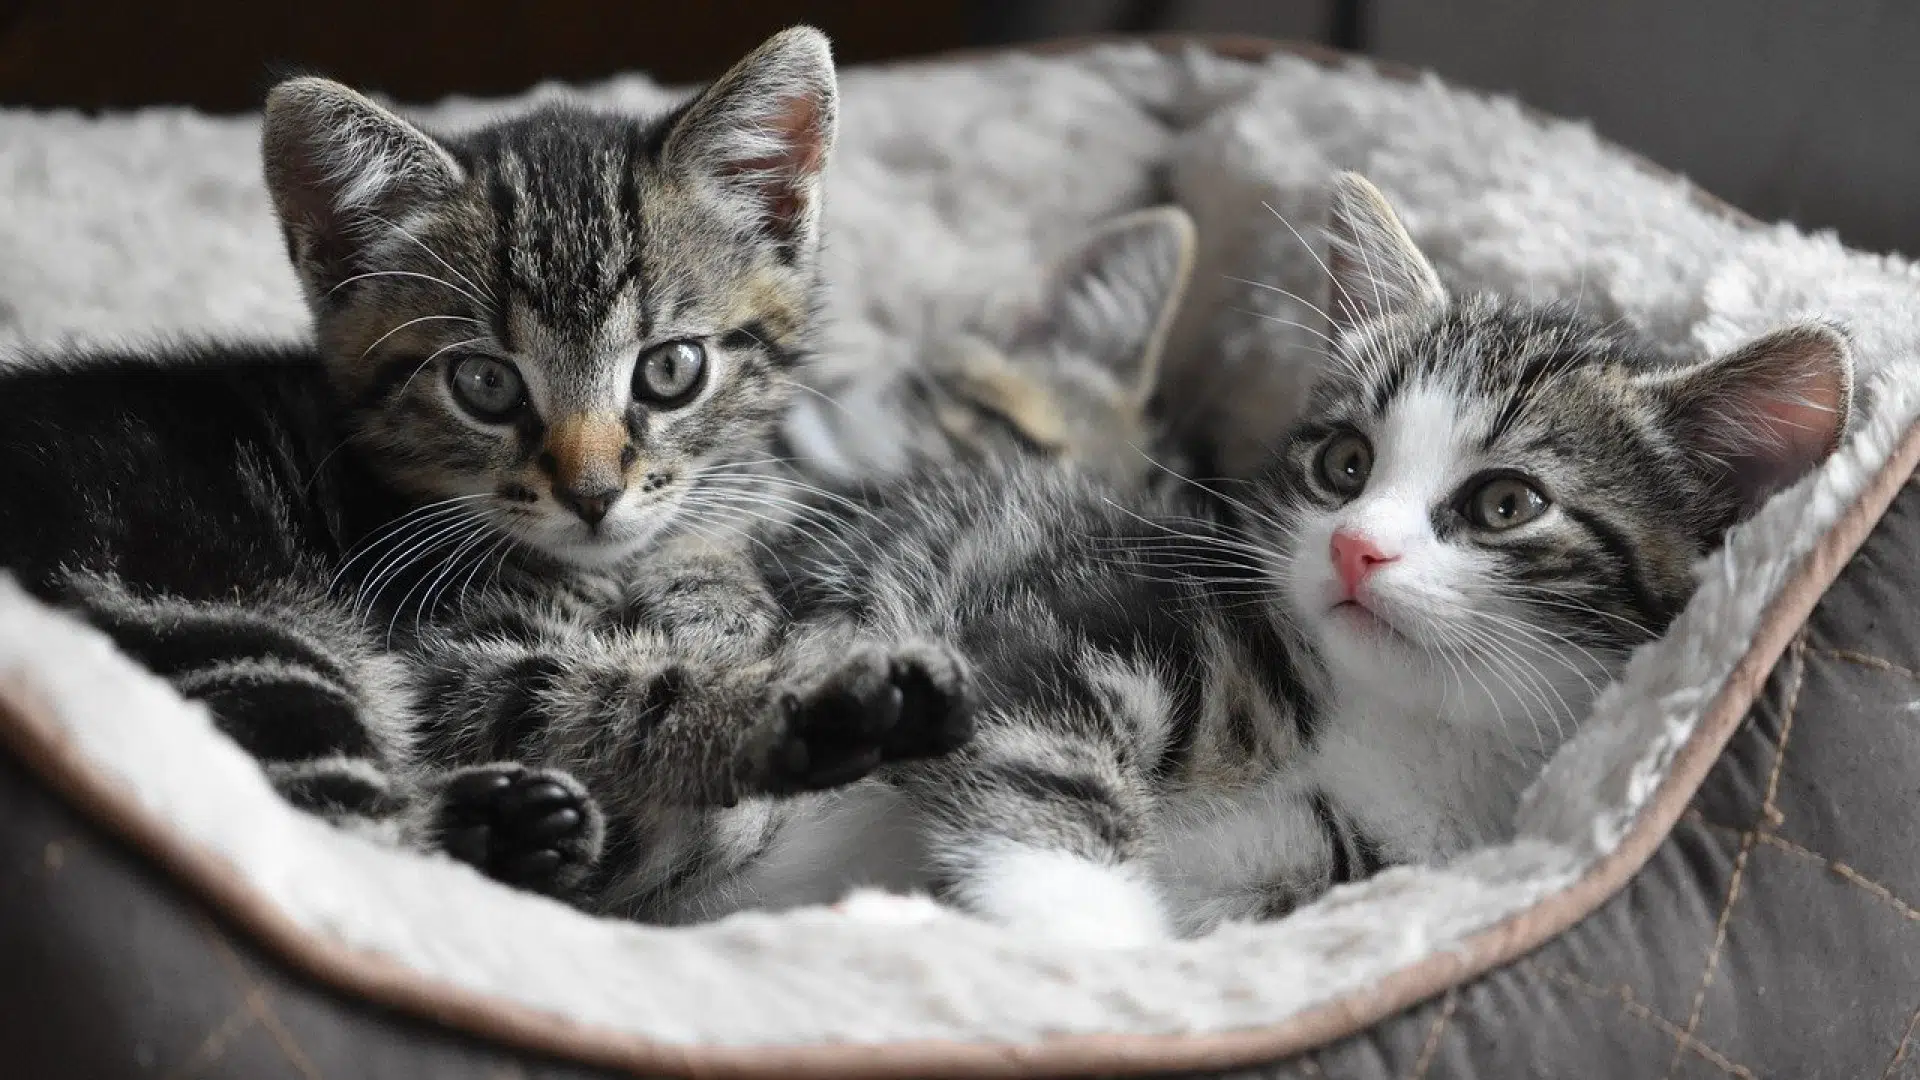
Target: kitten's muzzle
x: 587, y: 458
x: 590, y: 507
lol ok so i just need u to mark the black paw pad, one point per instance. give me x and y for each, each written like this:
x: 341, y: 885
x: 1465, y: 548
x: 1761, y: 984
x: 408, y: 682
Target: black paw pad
x: 936, y: 706
x: 532, y: 829
x: 877, y: 708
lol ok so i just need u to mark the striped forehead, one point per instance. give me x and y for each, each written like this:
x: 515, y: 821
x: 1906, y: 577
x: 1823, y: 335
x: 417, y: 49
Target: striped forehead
x: 563, y: 191
x: 1496, y: 364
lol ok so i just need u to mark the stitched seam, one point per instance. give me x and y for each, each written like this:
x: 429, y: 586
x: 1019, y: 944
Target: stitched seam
x: 257, y: 1003
x: 1900, y: 1052
x: 214, y: 1046
x: 296, y: 1056
x: 1837, y: 867
x: 1632, y: 1006
x: 1432, y: 1047
x: 1770, y: 816
x: 1868, y: 660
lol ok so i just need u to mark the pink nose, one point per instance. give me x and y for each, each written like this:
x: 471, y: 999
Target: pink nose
x: 1355, y: 557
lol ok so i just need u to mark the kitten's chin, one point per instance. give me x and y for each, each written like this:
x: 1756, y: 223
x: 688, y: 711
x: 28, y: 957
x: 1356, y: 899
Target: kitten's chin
x: 1357, y: 625
x: 1364, y: 644
x: 595, y: 556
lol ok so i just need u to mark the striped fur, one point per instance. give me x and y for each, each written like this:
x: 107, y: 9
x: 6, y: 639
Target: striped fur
x: 688, y: 650
x: 542, y: 346
x: 1186, y: 713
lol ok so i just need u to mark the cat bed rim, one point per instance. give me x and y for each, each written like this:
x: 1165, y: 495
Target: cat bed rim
x: 28, y: 732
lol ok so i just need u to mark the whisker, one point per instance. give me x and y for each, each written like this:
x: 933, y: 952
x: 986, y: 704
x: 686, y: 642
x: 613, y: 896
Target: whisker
x: 1315, y: 256
x: 414, y: 321
x: 435, y: 256
x: 431, y: 357
x: 368, y: 544
x: 399, y: 561
x: 409, y: 274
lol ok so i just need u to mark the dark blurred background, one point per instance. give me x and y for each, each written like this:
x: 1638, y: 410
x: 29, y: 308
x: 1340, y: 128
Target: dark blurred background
x: 1800, y: 109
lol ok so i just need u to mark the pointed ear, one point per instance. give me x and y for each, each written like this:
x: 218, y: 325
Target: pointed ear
x: 1376, y: 268
x: 761, y: 134
x: 1769, y: 411
x: 1112, y: 300
x: 337, y: 164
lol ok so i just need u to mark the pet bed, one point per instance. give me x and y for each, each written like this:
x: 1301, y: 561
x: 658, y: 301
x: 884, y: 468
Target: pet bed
x: 1716, y: 875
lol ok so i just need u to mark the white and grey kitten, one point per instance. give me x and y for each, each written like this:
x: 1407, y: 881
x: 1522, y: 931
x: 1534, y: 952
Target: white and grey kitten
x: 1193, y: 709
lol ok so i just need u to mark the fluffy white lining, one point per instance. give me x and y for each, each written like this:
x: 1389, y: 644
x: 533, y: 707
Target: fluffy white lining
x: 948, y: 179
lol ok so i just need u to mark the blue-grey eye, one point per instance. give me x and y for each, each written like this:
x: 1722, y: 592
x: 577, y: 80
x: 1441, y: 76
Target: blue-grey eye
x: 1505, y: 502
x: 670, y: 375
x: 1345, y: 463
x: 490, y: 389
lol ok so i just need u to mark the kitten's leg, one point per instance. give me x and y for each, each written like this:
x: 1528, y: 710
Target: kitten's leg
x: 1042, y: 822
x: 1042, y: 836
x: 299, y: 686
x: 671, y: 725
x: 653, y: 729
x: 285, y: 676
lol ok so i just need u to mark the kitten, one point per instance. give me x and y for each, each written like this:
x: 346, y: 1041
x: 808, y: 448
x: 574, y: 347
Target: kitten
x: 1067, y: 378
x: 1193, y: 710
x: 1066, y: 371
x: 537, y: 342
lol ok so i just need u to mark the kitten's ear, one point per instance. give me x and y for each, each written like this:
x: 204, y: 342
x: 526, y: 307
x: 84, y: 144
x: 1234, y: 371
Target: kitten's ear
x: 1112, y: 300
x: 762, y: 133
x: 338, y: 165
x: 1769, y: 411
x: 1376, y: 268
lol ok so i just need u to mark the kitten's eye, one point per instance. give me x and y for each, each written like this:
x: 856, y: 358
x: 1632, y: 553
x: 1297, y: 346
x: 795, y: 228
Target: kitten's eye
x: 670, y: 374
x: 489, y: 389
x: 1345, y: 463
x: 1505, y: 502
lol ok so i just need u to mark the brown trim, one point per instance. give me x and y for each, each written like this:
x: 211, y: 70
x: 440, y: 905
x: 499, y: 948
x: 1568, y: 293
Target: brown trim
x: 27, y: 730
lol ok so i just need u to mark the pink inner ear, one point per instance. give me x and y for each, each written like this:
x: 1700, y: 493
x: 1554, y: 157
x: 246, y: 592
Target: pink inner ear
x: 777, y: 177
x: 1780, y: 431
x: 1807, y: 425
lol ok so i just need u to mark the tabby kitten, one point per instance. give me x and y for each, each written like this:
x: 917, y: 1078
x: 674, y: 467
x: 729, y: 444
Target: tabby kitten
x: 1085, y: 346
x: 1067, y: 371
x: 1193, y: 710
x: 536, y: 342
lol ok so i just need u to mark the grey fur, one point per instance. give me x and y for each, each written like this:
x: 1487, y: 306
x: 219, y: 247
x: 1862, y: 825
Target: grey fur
x: 698, y: 639
x: 1174, y: 727
x: 444, y: 515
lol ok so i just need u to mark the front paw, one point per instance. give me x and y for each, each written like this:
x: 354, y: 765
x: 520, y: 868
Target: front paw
x: 879, y: 705
x: 534, y: 829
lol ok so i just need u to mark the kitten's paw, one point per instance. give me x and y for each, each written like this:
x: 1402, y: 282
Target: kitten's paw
x: 936, y: 709
x: 534, y: 829
x: 879, y: 705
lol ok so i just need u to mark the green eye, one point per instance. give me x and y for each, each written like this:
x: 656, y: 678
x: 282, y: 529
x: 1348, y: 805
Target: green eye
x: 1505, y: 502
x: 489, y: 389
x: 671, y: 374
x: 1345, y: 463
